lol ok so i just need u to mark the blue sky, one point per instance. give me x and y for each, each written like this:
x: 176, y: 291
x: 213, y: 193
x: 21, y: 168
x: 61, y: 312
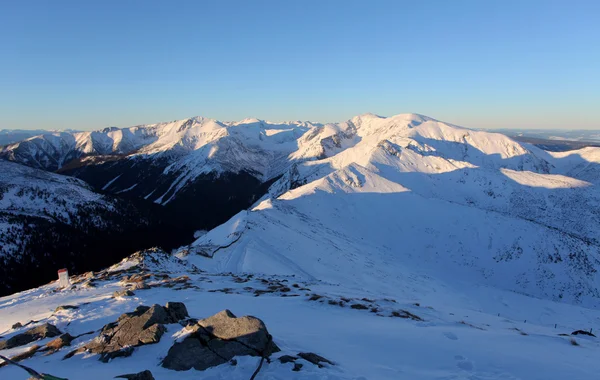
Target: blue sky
x: 482, y: 64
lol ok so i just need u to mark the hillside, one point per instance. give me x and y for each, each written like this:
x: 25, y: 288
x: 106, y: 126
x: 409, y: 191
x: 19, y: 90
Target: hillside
x: 417, y: 199
x: 49, y: 221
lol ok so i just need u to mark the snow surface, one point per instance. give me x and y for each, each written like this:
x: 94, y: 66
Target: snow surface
x: 474, y: 332
x: 25, y: 191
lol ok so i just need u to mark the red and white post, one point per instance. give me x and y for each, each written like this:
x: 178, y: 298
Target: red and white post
x: 63, y: 278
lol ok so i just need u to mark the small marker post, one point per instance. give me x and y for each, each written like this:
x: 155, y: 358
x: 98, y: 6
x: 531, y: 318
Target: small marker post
x: 63, y: 278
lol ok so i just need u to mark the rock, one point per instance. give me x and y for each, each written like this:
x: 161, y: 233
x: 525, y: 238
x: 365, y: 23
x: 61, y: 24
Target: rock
x: 17, y: 325
x: 177, y: 311
x: 180, y: 279
x: 314, y: 358
x: 297, y: 367
x: 217, y: 339
x: 58, y: 343
x: 406, y: 314
x: 123, y: 293
x: 105, y: 357
x: 66, y: 307
x: 145, y: 375
x: 140, y: 285
x: 582, y: 332
x: 287, y: 359
x: 39, y: 332
x: 22, y: 356
x: 145, y: 325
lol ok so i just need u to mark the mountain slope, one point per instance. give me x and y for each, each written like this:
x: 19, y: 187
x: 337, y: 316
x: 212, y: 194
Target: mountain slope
x: 49, y: 221
x: 413, y: 200
x: 532, y: 215
x: 477, y: 332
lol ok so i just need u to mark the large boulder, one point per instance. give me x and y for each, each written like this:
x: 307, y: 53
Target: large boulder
x: 39, y: 332
x: 145, y: 325
x: 218, y: 339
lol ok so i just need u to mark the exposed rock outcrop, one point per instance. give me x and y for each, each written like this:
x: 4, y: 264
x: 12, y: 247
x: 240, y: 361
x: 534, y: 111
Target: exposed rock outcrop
x: 218, y: 339
x: 143, y: 326
x: 39, y: 332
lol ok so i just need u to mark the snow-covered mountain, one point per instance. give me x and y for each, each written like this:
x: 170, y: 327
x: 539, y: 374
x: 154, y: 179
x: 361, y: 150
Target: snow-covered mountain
x: 409, y: 200
x: 161, y: 162
x: 49, y: 221
x: 10, y: 136
x: 507, y: 213
x: 398, y: 247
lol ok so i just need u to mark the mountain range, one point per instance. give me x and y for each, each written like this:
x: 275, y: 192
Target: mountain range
x: 391, y: 247
x: 371, y: 192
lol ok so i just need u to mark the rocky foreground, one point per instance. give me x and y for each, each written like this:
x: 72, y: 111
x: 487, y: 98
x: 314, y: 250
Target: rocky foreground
x: 157, y: 316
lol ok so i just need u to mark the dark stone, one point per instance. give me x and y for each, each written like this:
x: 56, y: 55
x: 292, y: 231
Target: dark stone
x: 17, y: 325
x: 145, y: 375
x: 582, y: 332
x: 297, y: 367
x: 359, y: 306
x: 314, y: 358
x: 177, y: 311
x: 191, y: 353
x: 287, y: 359
x: 39, y: 332
x: 105, y: 357
x: 58, y: 343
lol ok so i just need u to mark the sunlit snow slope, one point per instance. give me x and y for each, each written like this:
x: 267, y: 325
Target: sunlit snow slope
x: 408, y: 201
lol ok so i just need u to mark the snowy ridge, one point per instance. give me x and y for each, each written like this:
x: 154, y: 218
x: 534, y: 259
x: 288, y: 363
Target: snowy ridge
x: 187, y: 149
x: 34, y: 192
x: 410, y: 195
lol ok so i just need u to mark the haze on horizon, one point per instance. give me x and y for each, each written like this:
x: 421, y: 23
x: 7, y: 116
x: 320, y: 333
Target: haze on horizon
x: 89, y: 65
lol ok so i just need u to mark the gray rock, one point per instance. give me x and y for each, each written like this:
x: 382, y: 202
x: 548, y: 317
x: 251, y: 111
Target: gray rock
x: 140, y: 285
x: 123, y: 293
x: 66, y: 307
x: 145, y: 375
x: 39, y: 332
x: 217, y: 339
x: 145, y: 325
x: 297, y: 367
x: 17, y: 325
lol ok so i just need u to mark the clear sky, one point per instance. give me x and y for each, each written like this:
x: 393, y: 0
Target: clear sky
x: 482, y: 64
